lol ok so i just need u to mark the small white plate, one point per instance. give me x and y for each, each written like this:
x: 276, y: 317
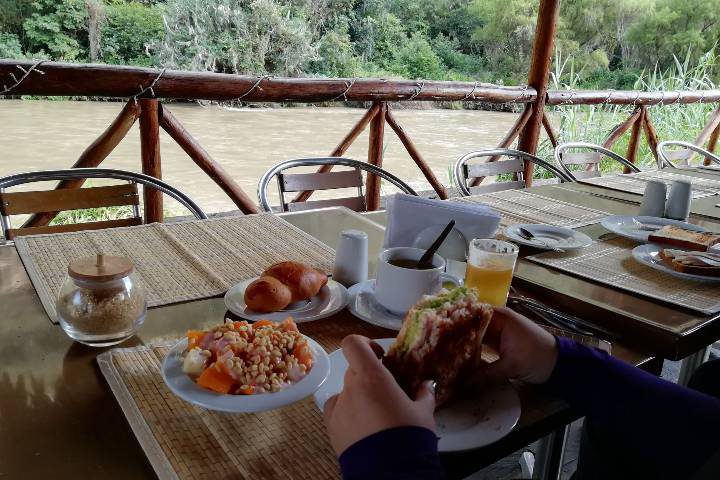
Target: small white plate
x: 649, y: 255
x: 626, y: 227
x: 332, y: 298
x: 184, y: 387
x: 548, y: 237
x: 462, y: 425
x: 363, y: 305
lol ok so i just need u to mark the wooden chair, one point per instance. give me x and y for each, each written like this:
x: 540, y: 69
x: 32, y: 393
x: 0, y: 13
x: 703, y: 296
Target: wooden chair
x: 681, y: 157
x: 590, y: 160
x: 14, y: 203
x: 298, y: 182
x: 515, y: 165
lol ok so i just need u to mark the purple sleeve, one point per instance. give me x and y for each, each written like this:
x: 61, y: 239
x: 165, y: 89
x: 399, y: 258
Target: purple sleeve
x: 658, y: 420
x: 398, y: 453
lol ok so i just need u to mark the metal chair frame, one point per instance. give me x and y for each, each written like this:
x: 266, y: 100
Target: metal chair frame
x: 320, y: 161
x: 591, y: 146
x: 664, y: 161
x: 87, y: 173
x: 460, y: 170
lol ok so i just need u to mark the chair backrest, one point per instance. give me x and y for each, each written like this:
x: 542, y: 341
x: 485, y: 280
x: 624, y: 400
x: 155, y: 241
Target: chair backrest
x: 298, y: 182
x: 591, y: 160
x: 514, y: 165
x: 681, y: 157
x: 14, y: 203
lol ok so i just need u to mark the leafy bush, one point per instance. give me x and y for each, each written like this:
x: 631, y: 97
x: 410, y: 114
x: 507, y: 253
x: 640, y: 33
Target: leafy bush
x: 57, y: 29
x: 127, y: 32
x: 10, y: 46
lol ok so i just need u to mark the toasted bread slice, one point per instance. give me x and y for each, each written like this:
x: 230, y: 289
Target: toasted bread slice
x: 679, y: 237
x: 684, y: 262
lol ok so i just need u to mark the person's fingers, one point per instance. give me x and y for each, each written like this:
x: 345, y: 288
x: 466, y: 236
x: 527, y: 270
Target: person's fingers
x: 496, y: 326
x: 360, y: 354
x: 329, y: 407
x: 497, y: 370
x: 425, y: 396
x: 377, y: 349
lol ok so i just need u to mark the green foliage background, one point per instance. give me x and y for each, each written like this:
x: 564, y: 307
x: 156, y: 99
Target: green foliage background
x: 610, y: 42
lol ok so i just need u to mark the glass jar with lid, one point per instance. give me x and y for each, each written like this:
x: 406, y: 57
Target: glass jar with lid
x: 100, y: 302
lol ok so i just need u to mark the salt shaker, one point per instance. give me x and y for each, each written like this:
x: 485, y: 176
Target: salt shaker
x: 679, y: 199
x: 653, y: 202
x: 351, y: 258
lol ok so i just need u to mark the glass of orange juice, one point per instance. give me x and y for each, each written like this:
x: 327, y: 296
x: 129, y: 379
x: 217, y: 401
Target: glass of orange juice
x: 490, y: 269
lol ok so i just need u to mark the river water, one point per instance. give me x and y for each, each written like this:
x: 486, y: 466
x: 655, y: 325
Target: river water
x: 41, y: 135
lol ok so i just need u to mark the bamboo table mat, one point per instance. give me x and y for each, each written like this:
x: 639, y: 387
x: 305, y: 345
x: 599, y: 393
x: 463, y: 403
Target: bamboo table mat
x: 520, y: 206
x: 611, y: 263
x: 636, y: 182
x: 178, y: 261
x: 183, y: 441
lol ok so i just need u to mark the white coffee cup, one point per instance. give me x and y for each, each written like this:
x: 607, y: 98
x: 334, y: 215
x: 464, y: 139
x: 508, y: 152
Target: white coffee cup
x: 653, y: 202
x: 398, y: 288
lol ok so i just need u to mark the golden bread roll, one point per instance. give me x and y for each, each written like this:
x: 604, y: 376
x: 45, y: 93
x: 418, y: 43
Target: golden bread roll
x: 267, y: 294
x: 303, y: 281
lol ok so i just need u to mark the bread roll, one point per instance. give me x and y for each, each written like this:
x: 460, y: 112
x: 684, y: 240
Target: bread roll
x: 267, y: 294
x: 303, y: 281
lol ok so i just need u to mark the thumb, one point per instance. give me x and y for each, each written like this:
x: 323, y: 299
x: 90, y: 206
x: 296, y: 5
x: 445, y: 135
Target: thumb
x: 425, y: 396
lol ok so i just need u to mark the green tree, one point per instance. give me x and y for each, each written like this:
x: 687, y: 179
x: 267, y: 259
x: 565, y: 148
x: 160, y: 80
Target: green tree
x: 417, y: 59
x: 10, y: 46
x: 128, y: 31
x: 57, y: 29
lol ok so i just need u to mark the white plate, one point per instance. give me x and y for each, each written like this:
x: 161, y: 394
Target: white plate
x: 184, y: 387
x: 625, y: 227
x: 549, y: 236
x: 464, y: 425
x: 649, y: 255
x: 363, y: 305
x: 332, y: 298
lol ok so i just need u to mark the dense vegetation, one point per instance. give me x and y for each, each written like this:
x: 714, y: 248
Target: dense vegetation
x: 609, y: 41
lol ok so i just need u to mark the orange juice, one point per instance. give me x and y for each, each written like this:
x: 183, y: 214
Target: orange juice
x: 492, y: 284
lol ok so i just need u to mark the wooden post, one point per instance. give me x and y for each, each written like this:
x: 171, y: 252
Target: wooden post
x: 415, y: 155
x: 650, y: 134
x: 342, y: 147
x: 712, y: 143
x: 202, y: 158
x: 549, y: 130
x: 538, y: 78
x: 150, y: 152
x: 93, y: 156
x: 711, y: 126
x: 634, y: 139
x: 621, y: 128
x: 375, y: 154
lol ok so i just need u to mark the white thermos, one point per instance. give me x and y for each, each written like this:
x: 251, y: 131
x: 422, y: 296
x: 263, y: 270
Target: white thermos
x: 679, y: 199
x: 351, y: 258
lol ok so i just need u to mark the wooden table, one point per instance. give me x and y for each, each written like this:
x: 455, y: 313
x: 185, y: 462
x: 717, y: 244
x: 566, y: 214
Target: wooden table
x: 59, y: 419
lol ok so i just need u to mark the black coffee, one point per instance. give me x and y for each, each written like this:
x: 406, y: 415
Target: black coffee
x: 407, y: 263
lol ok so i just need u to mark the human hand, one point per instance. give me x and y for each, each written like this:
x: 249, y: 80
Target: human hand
x: 527, y: 352
x: 371, y: 400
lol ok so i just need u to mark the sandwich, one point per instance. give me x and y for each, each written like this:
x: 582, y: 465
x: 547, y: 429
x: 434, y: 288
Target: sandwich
x: 695, y: 263
x: 681, y: 238
x: 441, y: 340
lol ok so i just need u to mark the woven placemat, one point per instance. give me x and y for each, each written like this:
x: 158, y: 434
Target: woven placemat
x: 611, y: 263
x: 179, y: 261
x: 636, y: 182
x: 520, y: 206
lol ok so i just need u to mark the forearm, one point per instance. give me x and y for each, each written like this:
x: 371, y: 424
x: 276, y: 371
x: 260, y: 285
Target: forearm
x: 656, y: 419
x: 398, y: 453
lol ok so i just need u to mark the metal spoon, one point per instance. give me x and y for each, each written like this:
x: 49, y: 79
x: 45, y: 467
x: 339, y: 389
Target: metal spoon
x: 528, y: 235
x: 426, y: 260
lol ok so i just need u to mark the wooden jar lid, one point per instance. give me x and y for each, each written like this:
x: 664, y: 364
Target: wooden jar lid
x: 100, y: 268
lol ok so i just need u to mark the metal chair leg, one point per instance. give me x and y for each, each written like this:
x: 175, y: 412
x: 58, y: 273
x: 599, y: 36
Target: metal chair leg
x: 549, y: 457
x: 691, y: 363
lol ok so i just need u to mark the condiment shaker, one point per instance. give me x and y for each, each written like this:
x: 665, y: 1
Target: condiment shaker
x: 351, y: 258
x: 653, y: 202
x: 679, y: 199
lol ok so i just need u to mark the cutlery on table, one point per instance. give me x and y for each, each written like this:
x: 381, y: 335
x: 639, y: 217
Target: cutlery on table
x: 528, y: 235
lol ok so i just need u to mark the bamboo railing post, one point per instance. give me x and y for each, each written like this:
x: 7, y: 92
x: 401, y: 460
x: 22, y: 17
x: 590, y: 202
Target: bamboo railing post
x: 202, y: 159
x: 93, y: 155
x: 650, y: 134
x: 549, y: 130
x: 509, y: 138
x: 415, y: 155
x: 150, y: 153
x: 342, y: 147
x: 712, y: 143
x: 621, y: 128
x: 538, y: 78
x: 634, y: 142
x: 375, y: 157
x: 712, y: 124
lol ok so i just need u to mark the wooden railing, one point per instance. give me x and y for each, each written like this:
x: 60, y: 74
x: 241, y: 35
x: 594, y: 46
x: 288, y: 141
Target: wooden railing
x: 143, y: 87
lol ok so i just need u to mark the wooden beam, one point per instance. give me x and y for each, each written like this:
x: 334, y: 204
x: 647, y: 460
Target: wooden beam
x: 93, y: 155
x: 630, y: 97
x: 549, y: 130
x: 634, y: 142
x: 712, y: 124
x: 415, y: 155
x: 650, y: 134
x: 712, y: 143
x: 375, y: 157
x: 342, y: 147
x: 150, y: 153
x: 202, y: 159
x: 538, y: 78
x: 509, y: 138
x: 621, y: 128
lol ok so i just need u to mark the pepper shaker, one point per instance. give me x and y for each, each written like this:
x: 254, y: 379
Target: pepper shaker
x: 351, y: 258
x: 679, y: 199
x: 653, y: 202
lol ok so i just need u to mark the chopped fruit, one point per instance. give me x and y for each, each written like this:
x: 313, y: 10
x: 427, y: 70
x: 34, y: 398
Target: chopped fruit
x: 214, y: 379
